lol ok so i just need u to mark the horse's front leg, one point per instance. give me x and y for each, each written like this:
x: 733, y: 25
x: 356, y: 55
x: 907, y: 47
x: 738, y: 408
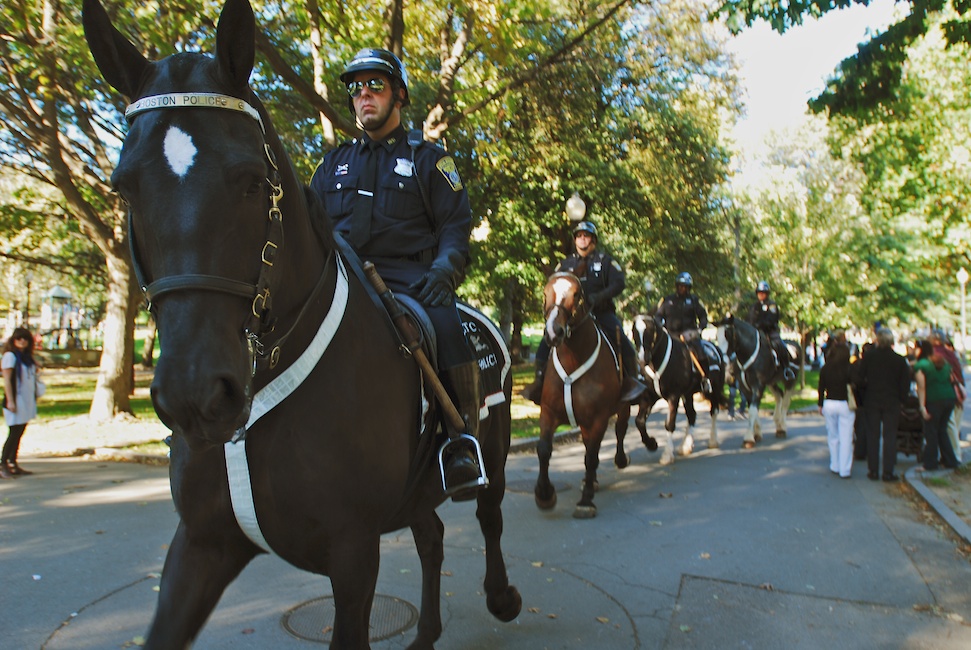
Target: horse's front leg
x: 753, y: 433
x: 502, y: 599
x: 545, y: 493
x: 643, y: 411
x: 429, y: 531
x: 667, y: 456
x: 620, y: 430
x: 691, y: 415
x: 353, y: 568
x: 592, y: 437
x: 194, y: 577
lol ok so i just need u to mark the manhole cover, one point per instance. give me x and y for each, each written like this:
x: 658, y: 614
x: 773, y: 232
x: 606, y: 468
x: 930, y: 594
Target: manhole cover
x: 314, y: 619
x: 527, y: 486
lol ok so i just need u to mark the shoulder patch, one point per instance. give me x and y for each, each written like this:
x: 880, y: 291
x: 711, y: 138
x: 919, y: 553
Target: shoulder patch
x: 614, y: 264
x: 447, y: 166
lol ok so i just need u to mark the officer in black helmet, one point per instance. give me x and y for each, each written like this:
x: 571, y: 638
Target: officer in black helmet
x: 764, y: 315
x: 402, y: 205
x: 684, y: 316
x: 602, y: 279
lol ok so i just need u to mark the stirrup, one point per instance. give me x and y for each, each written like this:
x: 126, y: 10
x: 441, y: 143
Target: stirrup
x: 706, y: 385
x: 789, y: 374
x: 481, y: 482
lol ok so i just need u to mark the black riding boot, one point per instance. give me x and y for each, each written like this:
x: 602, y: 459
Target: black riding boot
x: 460, y: 456
x: 534, y: 392
x: 632, y: 387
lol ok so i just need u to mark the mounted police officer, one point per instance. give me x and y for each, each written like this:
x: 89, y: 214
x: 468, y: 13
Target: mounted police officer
x: 684, y: 316
x: 401, y: 205
x: 602, y: 279
x: 764, y: 315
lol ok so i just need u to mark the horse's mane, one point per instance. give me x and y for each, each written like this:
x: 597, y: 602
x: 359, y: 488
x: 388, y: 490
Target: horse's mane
x: 318, y: 218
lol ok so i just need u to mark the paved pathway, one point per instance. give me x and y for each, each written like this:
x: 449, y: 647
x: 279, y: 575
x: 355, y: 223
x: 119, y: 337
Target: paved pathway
x: 726, y: 549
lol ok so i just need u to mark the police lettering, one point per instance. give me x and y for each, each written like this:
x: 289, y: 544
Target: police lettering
x: 488, y: 361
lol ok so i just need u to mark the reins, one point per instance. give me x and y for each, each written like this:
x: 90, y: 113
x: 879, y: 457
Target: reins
x: 259, y: 322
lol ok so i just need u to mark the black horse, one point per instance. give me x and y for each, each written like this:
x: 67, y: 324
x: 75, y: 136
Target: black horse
x: 672, y: 377
x: 296, y: 420
x: 756, y: 367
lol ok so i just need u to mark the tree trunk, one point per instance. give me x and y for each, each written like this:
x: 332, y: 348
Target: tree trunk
x: 115, y: 382
x: 148, y: 352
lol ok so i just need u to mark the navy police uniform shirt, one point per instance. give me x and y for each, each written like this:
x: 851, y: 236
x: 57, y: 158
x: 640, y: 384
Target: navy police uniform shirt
x: 765, y: 316
x: 681, y: 313
x: 401, y: 227
x: 602, y: 282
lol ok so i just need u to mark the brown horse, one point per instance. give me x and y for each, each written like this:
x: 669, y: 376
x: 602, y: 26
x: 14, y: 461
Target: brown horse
x: 298, y: 426
x: 581, y: 387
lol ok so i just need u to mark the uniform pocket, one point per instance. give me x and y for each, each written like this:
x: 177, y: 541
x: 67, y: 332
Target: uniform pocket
x: 400, y: 198
x: 338, y: 195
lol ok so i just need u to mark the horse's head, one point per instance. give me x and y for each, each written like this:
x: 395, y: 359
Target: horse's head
x: 728, y: 330
x: 646, y: 332
x: 564, y: 307
x: 199, y: 172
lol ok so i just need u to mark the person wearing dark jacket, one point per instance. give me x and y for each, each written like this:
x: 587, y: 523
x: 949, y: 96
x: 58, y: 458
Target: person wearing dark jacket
x: 401, y: 204
x: 684, y: 315
x: 886, y: 378
x: 602, y: 279
x: 834, y: 379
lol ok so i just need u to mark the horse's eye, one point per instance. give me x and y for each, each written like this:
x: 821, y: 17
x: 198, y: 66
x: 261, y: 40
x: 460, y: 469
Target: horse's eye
x: 255, y: 187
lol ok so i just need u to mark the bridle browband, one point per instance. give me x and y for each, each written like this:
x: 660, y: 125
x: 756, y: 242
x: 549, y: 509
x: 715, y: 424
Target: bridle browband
x: 258, y: 322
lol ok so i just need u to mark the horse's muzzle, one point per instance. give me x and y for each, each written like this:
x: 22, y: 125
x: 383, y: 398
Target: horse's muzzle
x: 209, y: 409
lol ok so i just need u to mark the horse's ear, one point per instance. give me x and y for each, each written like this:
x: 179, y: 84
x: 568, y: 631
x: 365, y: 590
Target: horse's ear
x: 236, y: 42
x: 121, y: 64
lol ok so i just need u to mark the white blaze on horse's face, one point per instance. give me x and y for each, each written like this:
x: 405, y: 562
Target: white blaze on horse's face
x: 561, y: 289
x: 179, y: 151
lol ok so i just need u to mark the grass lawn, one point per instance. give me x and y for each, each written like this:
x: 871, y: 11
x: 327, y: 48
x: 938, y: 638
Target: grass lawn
x: 69, y: 394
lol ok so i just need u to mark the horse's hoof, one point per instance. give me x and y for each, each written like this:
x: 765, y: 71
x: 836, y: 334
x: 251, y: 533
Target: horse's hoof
x: 651, y: 444
x: 585, y: 512
x: 545, y: 503
x: 748, y: 444
x: 507, y: 605
x: 780, y: 434
x: 758, y: 437
x: 621, y: 461
x: 666, y: 460
x: 713, y: 445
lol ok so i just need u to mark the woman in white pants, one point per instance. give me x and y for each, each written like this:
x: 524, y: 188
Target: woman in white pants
x: 834, y: 380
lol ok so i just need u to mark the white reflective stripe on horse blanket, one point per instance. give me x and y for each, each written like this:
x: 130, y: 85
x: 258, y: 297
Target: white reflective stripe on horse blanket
x: 576, y: 374
x: 237, y: 466
x: 491, y: 387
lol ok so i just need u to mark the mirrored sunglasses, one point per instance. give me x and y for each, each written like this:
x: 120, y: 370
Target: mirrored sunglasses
x: 376, y: 86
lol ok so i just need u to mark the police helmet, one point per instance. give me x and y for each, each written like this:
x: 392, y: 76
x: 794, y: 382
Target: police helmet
x: 380, y: 61
x: 587, y: 227
x: 763, y: 287
x: 683, y: 278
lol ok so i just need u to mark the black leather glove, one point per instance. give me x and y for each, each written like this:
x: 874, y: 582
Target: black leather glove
x: 437, y: 286
x: 593, y: 299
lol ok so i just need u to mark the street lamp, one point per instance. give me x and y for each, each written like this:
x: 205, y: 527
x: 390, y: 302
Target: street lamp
x: 575, y: 208
x: 963, y: 279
